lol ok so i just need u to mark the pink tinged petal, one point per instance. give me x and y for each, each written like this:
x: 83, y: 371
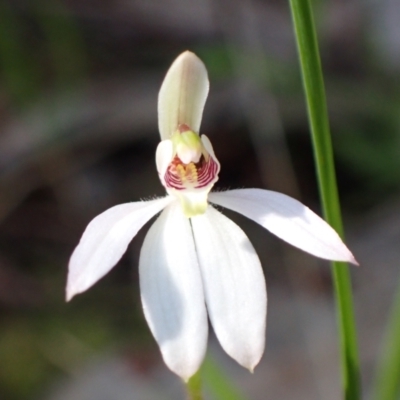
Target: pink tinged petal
x: 234, y: 286
x: 209, y: 175
x: 105, y: 240
x: 172, y: 292
x: 192, y: 176
x: 288, y: 219
x: 182, y: 95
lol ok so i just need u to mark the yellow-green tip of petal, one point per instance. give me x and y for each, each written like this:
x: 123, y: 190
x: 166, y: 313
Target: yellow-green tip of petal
x: 187, y: 145
x: 192, y: 202
x: 192, y: 208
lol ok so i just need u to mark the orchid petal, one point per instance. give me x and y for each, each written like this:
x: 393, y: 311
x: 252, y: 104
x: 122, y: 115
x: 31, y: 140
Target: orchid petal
x: 182, y: 95
x: 172, y: 292
x: 105, y: 240
x: 288, y: 219
x: 164, y: 156
x: 234, y: 286
x: 209, y: 148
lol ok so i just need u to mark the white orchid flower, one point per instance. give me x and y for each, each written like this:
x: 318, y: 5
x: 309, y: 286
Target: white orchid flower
x: 195, y: 261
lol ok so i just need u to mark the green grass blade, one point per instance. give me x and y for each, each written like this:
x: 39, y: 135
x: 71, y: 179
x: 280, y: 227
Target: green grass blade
x: 387, y: 381
x: 318, y: 117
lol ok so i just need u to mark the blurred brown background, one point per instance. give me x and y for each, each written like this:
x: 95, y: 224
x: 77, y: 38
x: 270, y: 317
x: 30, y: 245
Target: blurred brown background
x: 78, y: 131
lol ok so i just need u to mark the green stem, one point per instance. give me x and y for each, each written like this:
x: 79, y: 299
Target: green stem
x: 387, y: 380
x: 218, y: 382
x: 318, y: 116
x: 194, y: 387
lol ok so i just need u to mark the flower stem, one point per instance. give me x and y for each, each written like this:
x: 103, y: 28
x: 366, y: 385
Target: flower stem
x: 218, y: 382
x: 387, y: 381
x: 318, y: 117
x: 194, y: 387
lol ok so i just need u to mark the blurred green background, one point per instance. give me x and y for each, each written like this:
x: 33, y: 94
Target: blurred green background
x: 78, y: 131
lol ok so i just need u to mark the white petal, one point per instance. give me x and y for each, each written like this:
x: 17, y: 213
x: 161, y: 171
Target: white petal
x: 172, y: 292
x: 288, y: 219
x: 234, y: 286
x: 164, y: 156
x: 182, y: 95
x: 208, y: 146
x: 105, y: 241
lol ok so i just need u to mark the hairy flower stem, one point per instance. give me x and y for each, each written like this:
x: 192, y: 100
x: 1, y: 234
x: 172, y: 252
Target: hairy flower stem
x: 318, y: 116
